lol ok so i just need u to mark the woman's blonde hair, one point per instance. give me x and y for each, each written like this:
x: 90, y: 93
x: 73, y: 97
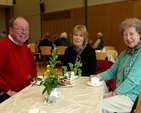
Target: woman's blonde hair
x: 84, y: 32
x: 130, y: 22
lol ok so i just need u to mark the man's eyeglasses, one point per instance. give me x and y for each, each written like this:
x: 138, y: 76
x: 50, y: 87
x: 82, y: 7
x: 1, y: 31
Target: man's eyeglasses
x: 21, y: 29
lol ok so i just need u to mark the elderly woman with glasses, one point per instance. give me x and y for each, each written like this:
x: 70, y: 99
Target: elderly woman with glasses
x: 127, y: 69
x: 81, y: 52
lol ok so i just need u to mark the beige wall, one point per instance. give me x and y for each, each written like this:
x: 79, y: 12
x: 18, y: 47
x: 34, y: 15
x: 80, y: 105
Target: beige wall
x: 2, y: 20
x: 57, y: 5
x: 6, y: 2
x: 98, y: 2
x: 30, y: 9
x: 3, y: 5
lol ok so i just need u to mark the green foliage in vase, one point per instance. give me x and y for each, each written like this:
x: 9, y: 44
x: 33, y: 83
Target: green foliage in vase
x: 50, y: 78
x: 76, y: 70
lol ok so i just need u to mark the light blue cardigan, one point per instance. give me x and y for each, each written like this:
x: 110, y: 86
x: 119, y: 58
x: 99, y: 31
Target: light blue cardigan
x: 127, y: 69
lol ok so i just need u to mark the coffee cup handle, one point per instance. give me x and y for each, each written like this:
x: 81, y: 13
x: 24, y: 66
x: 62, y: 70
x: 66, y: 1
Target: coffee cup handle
x: 58, y: 94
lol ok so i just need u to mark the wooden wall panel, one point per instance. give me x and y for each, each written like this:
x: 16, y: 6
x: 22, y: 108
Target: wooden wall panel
x: 56, y: 27
x: 77, y: 17
x: 56, y: 23
x: 118, y: 12
x: 104, y: 18
x: 98, y: 22
x: 138, y: 9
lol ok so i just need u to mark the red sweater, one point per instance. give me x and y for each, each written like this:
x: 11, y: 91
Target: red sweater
x: 16, y: 64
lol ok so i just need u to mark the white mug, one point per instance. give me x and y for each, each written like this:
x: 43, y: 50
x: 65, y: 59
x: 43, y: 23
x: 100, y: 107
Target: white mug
x: 94, y: 80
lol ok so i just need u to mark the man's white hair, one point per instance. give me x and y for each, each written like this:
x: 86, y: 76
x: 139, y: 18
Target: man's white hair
x: 63, y: 35
x: 99, y: 34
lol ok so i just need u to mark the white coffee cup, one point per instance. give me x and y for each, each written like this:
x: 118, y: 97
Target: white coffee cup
x: 94, y: 81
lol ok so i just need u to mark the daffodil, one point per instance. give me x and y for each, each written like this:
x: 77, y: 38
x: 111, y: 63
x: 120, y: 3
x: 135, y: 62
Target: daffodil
x: 46, y: 77
x: 45, y: 73
x: 48, y: 71
x: 48, y: 66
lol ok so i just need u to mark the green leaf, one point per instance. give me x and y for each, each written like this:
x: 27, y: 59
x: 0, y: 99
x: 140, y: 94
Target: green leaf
x: 45, y: 89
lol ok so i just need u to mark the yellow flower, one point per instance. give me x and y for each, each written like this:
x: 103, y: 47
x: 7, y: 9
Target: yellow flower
x: 45, y: 73
x: 48, y: 71
x: 48, y: 66
x: 45, y: 77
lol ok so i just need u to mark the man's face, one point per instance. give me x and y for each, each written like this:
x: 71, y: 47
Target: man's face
x: 20, y: 32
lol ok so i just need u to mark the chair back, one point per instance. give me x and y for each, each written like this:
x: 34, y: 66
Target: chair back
x: 32, y: 47
x: 36, y: 48
x: 45, y: 50
x: 61, y: 49
x: 138, y: 108
x: 103, y: 65
x: 101, y: 55
x: 54, y: 45
x: 109, y: 47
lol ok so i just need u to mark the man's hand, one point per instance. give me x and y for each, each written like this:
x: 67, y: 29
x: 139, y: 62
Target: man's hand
x: 10, y: 93
x: 2, y: 93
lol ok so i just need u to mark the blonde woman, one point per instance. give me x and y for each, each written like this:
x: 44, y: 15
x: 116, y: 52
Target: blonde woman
x: 81, y: 52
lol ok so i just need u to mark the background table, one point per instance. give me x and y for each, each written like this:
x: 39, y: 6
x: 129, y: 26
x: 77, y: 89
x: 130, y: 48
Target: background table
x: 80, y: 98
x: 112, y: 55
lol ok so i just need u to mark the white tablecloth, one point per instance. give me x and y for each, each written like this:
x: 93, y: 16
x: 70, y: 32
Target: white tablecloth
x: 80, y: 98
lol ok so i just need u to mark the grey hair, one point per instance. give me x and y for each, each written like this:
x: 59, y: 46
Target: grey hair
x: 130, y: 22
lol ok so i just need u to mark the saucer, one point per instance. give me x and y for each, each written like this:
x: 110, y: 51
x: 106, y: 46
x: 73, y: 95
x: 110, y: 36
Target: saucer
x: 99, y: 84
x: 67, y: 86
x: 74, y: 78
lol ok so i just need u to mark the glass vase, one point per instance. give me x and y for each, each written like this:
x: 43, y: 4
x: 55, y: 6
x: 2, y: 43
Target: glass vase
x: 50, y: 100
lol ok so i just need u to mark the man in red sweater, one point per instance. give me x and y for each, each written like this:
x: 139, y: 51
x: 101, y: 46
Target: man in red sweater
x: 16, y: 60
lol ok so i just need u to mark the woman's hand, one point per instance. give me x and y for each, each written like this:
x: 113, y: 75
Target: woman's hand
x: 99, y: 76
x: 110, y: 95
